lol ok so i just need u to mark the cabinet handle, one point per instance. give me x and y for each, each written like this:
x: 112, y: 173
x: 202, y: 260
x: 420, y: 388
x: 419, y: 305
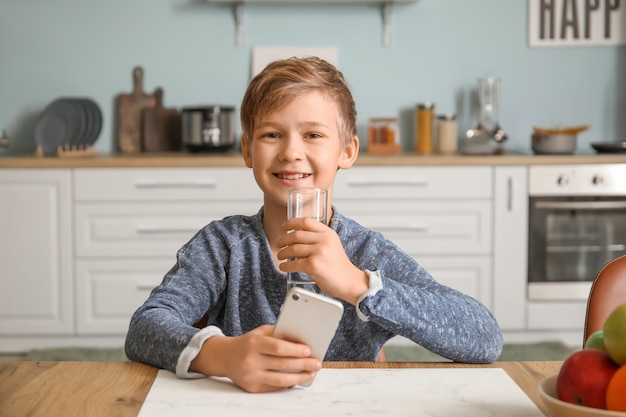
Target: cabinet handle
x: 390, y: 183
x: 147, y: 229
x: 407, y: 228
x: 509, y: 200
x: 145, y: 286
x: 580, y: 205
x: 148, y: 183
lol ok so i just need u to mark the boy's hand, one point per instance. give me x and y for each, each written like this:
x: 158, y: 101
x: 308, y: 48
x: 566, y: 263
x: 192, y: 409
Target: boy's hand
x: 320, y: 255
x: 256, y: 361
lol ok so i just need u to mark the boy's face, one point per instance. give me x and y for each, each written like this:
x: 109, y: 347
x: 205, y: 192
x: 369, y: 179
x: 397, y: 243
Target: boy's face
x: 298, y: 145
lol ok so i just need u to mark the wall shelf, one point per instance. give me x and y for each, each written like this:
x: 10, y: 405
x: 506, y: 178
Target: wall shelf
x: 386, y: 5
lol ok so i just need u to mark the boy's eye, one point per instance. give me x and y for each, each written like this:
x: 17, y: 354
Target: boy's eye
x: 313, y: 135
x: 271, y: 135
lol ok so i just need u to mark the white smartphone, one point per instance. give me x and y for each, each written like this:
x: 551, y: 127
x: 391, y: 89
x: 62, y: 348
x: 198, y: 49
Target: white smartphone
x: 309, y: 318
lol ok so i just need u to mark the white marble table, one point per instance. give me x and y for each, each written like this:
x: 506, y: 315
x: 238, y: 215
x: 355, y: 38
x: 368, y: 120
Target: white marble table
x: 482, y: 392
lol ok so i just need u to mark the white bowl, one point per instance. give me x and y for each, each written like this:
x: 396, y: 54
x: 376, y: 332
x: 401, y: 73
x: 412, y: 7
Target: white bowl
x: 558, y: 408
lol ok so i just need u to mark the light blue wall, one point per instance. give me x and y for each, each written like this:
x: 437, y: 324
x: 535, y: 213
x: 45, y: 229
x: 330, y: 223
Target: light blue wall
x: 439, y: 48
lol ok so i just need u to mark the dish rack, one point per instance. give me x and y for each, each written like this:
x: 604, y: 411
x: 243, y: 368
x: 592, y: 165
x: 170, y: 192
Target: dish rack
x: 69, y: 151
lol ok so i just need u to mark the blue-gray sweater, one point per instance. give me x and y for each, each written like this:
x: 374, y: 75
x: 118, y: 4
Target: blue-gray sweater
x: 227, y: 270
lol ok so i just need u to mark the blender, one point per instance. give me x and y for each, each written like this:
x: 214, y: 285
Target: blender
x: 479, y: 140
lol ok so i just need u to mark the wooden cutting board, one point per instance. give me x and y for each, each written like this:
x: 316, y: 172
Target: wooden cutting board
x: 161, y: 128
x: 129, y: 108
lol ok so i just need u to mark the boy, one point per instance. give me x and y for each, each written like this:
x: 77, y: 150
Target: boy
x: 299, y: 127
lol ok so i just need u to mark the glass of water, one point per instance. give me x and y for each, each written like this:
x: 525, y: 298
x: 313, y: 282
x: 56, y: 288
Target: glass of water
x: 306, y: 202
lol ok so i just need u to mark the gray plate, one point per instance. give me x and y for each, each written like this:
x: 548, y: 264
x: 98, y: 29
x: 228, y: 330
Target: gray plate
x: 57, y: 126
x: 68, y: 121
x: 51, y: 131
x: 95, y: 121
x: 609, y: 147
x: 74, y: 116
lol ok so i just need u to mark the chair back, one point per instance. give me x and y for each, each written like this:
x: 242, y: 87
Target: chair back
x: 607, y: 292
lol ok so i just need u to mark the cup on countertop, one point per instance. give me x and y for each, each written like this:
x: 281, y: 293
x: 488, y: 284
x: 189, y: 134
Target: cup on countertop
x: 306, y: 202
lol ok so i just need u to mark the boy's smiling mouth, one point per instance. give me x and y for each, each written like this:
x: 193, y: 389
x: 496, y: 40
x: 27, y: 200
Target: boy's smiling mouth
x: 291, y: 176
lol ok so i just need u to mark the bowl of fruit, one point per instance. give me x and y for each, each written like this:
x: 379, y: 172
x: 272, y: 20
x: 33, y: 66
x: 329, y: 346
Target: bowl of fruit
x: 592, y: 380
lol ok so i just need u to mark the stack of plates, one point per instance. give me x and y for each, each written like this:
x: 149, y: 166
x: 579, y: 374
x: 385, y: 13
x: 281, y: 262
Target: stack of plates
x: 70, y: 123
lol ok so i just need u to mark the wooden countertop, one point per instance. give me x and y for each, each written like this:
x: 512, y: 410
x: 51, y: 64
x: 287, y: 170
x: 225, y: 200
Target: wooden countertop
x: 182, y: 159
x: 120, y: 388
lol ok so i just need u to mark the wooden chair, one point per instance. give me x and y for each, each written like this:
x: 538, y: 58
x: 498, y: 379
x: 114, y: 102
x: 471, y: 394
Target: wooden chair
x: 607, y: 292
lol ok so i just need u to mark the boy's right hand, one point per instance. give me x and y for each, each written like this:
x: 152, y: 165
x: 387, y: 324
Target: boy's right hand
x: 256, y: 361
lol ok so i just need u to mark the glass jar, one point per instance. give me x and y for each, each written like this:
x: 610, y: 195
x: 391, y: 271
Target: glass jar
x: 447, y: 134
x: 383, y: 130
x: 425, y: 115
x: 383, y: 135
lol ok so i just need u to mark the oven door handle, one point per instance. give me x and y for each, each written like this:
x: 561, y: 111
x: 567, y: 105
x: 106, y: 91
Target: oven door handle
x: 580, y: 205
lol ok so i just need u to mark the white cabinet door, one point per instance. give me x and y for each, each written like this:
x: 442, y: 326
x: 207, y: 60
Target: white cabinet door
x: 469, y: 274
x: 417, y: 183
x: 426, y: 227
x: 510, y: 252
x: 109, y: 291
x: 35, y: 252
x: 441, y: 216
x: 165, y: 184
x: 131, y: 230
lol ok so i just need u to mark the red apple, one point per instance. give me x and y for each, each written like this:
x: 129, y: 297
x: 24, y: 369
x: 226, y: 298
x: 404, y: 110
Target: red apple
x: 584, y: 378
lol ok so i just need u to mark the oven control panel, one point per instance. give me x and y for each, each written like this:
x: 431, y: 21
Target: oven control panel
x: 577, y: 180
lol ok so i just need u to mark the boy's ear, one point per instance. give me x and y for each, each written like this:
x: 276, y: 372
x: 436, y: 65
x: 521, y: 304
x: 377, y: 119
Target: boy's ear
x: 349, y: 154
x: 245, y: 152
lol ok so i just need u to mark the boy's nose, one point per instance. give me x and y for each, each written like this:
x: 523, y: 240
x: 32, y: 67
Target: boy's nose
x: 291, y: 149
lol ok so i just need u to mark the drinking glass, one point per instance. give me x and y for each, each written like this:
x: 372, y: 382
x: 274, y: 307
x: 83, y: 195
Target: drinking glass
x: 306, y: 202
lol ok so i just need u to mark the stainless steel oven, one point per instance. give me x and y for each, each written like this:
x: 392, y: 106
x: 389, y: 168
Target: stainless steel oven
x: 577, y: 223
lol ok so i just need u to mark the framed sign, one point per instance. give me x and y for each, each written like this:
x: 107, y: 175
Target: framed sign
x: 576, y: 22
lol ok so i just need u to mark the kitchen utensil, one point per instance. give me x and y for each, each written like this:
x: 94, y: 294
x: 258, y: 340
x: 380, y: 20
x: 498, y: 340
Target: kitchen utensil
x: 209, y: 128
x: 477, y: 142
x: 554, y: 144
x: 489, y: 101
x: 59, y: 125
x: 51, y: 131
x: 161, y: 128
x: 609, y: 147
x: 95, y: 121
x: 560, y: 131
x: 90, y: 122
x: 77, y: 116
x: 129, y: 107
x: 499, y: 134
x: 489, y: 113
x: 68, y: 123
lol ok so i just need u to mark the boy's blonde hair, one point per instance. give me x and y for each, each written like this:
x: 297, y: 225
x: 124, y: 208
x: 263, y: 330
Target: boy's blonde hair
x: 283, y: 80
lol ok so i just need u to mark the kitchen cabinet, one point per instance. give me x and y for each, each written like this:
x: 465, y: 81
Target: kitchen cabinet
x: 129, y: 223
x: 439, y: 215
x: 83, y: 247
x: 36, y: 267
x: 510, y: 246
x: 109, y: 290
x: 519, y: 317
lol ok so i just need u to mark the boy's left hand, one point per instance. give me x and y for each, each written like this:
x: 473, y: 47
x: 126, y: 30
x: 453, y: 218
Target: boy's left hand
x: 320, y: 255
